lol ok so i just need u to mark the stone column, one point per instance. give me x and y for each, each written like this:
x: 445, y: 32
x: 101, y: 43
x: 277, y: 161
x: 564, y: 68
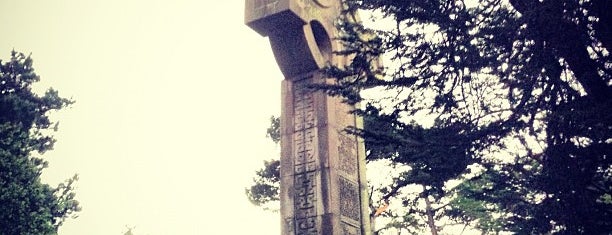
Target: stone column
x: 323, y: 184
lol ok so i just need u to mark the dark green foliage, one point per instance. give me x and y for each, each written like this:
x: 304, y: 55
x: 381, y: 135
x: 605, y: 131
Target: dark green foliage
x: 519, y: 89
x: 498, y: 192
x: 266, y: 185
x: 265, y: 188
x: 529, y: 73
x: 425, y: 150
x: 28, y: 206
x: 273, y: 131
x: 577, y: 168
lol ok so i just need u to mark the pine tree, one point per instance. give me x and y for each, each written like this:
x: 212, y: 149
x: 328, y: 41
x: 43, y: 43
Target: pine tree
x: 519, y: 88
x: 28, y: 206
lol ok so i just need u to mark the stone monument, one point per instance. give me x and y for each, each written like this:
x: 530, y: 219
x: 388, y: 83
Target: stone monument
x: 323, y: 185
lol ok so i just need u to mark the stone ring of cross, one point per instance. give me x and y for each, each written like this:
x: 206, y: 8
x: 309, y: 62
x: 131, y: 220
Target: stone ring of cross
x: 305, y: 49
x: 299, y: 31
x: 316, y: 34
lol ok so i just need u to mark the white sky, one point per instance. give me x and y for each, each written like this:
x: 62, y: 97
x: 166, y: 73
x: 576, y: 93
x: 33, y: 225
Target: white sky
x: 173, y: 100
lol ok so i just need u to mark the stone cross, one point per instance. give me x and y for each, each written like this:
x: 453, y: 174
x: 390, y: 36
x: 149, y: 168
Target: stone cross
x: 323, y: 185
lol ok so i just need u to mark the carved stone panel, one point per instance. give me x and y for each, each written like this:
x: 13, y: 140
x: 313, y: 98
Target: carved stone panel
x: 350, y: 206
x: 343, y: 115
x: 347, y: 153
x: 303, y: 104
x: 305, y: 161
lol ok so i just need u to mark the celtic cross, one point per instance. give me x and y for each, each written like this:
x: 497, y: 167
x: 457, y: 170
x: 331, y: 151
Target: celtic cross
x: 323, y: 185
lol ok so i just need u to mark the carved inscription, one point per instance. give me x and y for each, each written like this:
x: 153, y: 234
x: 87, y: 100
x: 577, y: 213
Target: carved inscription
x: 305, y: 161
x: 349, y: 200
x: 347, y: 152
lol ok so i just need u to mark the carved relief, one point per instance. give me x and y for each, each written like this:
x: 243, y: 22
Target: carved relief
x: 344, y: 116
x: 305, y: 162
x: 311, y: 182
x: 304, y: 147
x: 303, y: 106
x: 349, y: 200
x: 347, y: 153
x: 306, y: 226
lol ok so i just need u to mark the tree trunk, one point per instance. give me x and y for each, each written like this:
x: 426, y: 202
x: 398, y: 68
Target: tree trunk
x: 566, y: 39
x: 430, y: 213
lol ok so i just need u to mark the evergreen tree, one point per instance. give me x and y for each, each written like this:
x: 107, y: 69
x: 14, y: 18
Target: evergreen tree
x: 28, y: 206
x: 266, y: 185
x: 520, y: 88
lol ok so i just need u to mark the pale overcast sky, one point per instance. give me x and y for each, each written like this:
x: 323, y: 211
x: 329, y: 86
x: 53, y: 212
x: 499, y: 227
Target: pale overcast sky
x: 172, y: 103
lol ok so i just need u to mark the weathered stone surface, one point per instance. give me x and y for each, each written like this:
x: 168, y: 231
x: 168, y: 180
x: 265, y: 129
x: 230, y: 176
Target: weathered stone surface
x: 269, y: 16
x: 323, y: 185
x: 298, y: 31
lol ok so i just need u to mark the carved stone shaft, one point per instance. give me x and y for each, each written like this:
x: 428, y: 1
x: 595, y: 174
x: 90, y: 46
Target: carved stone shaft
x: 323, y: 184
